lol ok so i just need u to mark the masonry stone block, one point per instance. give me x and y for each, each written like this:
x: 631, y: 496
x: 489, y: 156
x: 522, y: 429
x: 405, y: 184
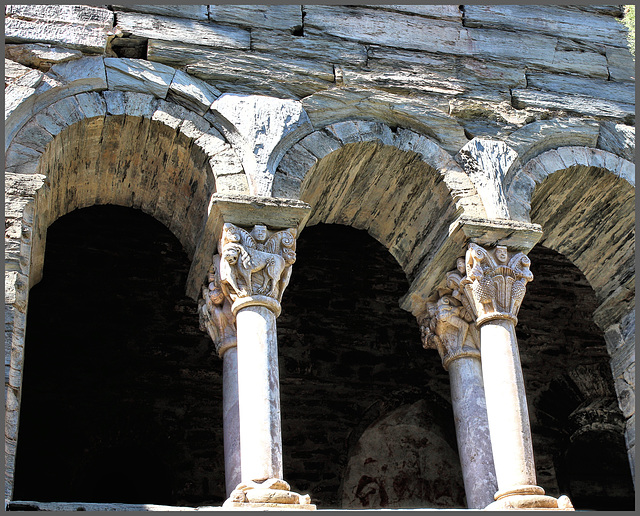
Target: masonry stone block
x: 41, y: 56
x: 319, y: 143
x: 139, y: 104
x: 136, y: 75
x: 192, y: 92
x: 186, y: 31
x: 85, y: 37
x: 194, y: 12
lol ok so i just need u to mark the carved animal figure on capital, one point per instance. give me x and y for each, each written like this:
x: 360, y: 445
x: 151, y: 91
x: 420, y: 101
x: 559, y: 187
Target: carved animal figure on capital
x: 257, y: 265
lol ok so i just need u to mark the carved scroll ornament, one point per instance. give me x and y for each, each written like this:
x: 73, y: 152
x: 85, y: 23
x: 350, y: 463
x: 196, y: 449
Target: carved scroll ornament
x: 496, y: 283
x: 257, y: 262
x: 449, y: 325
x: 216, y: 317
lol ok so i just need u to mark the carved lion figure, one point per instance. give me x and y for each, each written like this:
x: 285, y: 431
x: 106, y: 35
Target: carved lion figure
x: 239, y: 263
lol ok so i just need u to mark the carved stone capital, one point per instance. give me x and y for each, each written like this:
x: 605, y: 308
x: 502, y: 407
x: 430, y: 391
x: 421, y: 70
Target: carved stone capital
x: 448, y: 324
x: 495, y: 282
x: 256, y: 263
x: 216, y: 316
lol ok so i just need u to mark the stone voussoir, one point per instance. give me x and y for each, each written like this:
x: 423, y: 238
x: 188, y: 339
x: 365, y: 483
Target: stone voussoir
x: 137, y: 75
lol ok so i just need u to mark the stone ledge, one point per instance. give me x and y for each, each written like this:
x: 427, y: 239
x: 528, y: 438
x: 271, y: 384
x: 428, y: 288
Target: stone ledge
x: 249, y: 506
x: 88, y: 506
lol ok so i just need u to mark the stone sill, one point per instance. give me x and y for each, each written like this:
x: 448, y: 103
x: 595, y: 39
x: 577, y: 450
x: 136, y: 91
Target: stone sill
x: 88, y: 506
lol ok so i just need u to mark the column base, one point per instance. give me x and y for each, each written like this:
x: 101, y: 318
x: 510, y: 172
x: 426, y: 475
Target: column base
x: 531, y: 503
x: 271, y: 494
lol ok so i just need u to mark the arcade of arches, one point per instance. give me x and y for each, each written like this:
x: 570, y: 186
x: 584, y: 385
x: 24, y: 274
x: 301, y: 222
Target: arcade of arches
x: 122, y: 398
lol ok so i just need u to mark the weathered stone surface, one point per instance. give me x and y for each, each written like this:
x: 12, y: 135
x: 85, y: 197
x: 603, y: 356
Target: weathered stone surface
x: 23, y: 184
x: 619, y: 139
x: 139, y: 76
x: 278, y: 17
x: 291, y: 172
x: 487, y: 162
x: 297, y: 76
x: 547, y: 20
x: 568, y: 84
x: 620, y: 64
x: 312, y: 46
x: 191, y: 92
x: 541, y: 135
x: 88, y: 37
x: 13, y: 70
x: 319, y: 143
x: 380, y: 27
x: 65, y: 13
x: 30, y: 79
x: 445, y: 12
x: 580, y: 104
x: 90, y: 70
x: 38, y: 55
x: 325, y: 108
x: 14, y: 96
x: 194, y: 12
x: 261, y: 129
x: 582, y: 62
x: 92, y: 104
x: 189, y: 32
x: 374, y: 477
x: 33, y: 135
x: 19, y: 156
x: 468, y: 71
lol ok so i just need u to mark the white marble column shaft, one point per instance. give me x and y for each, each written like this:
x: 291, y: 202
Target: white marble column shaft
x: 231, y: 419
x: 472, y: 431
x: 259, y: 394
x: 507, y: 406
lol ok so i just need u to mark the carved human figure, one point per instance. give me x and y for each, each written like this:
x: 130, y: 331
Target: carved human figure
x: 218, y: 318
x: 256, y: 263
x: 448, y: 327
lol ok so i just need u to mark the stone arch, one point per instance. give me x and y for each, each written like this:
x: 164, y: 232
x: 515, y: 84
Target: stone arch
x: 66, y: 148
x: 584, y: 200
x: 400, y: 176
x: 131, y: 150
x: 524, y: 180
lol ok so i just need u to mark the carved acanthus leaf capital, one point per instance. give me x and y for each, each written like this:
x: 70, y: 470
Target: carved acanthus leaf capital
x: 448, y: 324
x: 216, y: 317
x: 496, y: 282
x: 256, y: 263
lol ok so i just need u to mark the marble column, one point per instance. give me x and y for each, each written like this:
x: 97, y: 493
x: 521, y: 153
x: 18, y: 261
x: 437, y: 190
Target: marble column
x: 259, y: 388
x: 218, y: 320
x: 231, y: 419
x: 495, y: 283
x: 449, y: 327
x: 255, y: 267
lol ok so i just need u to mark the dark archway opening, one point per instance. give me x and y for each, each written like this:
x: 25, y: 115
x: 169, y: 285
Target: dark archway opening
x: 577, y: 426
x: 354, y: 377
x: 122, y: 392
